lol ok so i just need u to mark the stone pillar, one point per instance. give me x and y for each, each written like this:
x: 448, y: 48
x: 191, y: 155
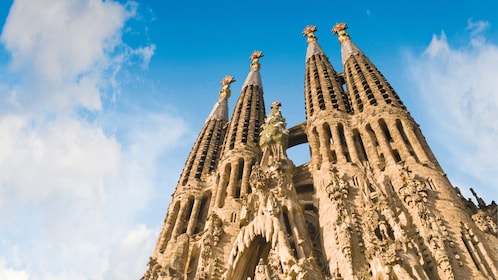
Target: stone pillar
x: 384, y: 144
x: 193, y: 217
x: 416, y: 145
x: 180, y: 219
x: 353, y: 153
x: 302, y: 232
x: 369, y: 146
x: 338, y: 145
x: 245, y: 178
x: 398, y: 139
x: 222, y: 188
x: 232, y: 183
x: 324, y: 144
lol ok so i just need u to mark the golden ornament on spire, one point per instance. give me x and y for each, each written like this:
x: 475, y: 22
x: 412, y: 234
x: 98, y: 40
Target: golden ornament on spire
x: 309, y: 31
x: 340, y: 30
x: 255, y: 56
x: 225, y: 90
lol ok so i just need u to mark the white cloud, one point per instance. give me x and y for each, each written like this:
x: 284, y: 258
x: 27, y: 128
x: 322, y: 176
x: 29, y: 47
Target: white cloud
x: 67, y: 49
x: 459, y: 88
x: 62, y: 155
x: 12, y: 274
x: 72, y: 188
x: 139, y: 242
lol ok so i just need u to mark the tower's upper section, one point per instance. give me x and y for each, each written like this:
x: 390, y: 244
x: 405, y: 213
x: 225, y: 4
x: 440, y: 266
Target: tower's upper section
x: 323, y: 86
x: 366, y: 86
x: 249, y: 111
x: 348, y: 48
x: 220, y: 109
x: 206, y: 151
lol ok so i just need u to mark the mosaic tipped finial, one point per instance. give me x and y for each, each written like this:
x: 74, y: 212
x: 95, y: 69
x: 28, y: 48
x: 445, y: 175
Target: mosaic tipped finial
x: 225, y: 90
x: 309, y: 31
x: 340, y: 30
x: 255, y: 56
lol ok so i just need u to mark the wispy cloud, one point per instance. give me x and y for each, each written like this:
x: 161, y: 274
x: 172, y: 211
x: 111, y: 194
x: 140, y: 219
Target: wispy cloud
x: 459, y: 87
x: 71, y: 187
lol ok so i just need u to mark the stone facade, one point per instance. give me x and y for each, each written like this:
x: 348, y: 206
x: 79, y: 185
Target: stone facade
x: 371, y: 203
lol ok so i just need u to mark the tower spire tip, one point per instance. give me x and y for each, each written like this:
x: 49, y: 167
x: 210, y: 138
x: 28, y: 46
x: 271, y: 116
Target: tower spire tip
x: 225, y: 90
x: 309, y: 31
x: 340, y: 30
x: 255, y: 56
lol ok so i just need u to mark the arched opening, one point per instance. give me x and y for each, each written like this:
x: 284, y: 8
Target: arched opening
x: 240, y: 174
x: 202, y: 214
x: 172, y: 217
x: 189, y: 206
x: 249, y: 258
x: 222, y: 191
x: 360, y: 147
x: 344, y: 144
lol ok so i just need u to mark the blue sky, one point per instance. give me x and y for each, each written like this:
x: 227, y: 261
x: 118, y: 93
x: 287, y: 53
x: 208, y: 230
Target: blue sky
x: 100, y: 103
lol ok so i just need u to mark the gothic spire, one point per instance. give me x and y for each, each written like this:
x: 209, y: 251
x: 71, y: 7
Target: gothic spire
x: 313, y: 46
x: 348, y: 48
x: 206, y: 151
x: 241, y: 149
x: 323, y: 86
x: 254, y: 78
x: 366, y: 86
x: 220, y: 108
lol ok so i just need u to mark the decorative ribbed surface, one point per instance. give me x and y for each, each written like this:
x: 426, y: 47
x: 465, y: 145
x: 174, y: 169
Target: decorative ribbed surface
x: 323, y: 87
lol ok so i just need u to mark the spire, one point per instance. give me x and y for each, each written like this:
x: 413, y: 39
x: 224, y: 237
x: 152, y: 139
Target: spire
x: 253, y: 78
x: 313, y: 46
x: 205, y: 154
x: 323, y: 86
x: 220, y: 108
x: 348, y: 48
x: 366, y: 85
x: 249, y: 111
x: 241, y: 146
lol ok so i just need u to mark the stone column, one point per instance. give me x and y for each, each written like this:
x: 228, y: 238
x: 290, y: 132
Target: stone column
x: 353, y: 153
x: 369, y: 146
x: 245, y: 177
x: 193, y: 217
x: 384, y: 144
x: 417, y: 146
x: 222, y: 188
x: 398, y: 139
x: 232, y: 183
x: 180, y: 219
x: 324, y: 144
x: 338, y: 145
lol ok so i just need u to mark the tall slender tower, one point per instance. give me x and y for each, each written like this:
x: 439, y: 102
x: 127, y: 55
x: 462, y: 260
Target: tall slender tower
x: 371, y: 203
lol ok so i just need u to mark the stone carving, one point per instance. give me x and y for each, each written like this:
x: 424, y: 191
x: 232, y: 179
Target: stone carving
x: 414, y: 194
x: 338, y: 188
x: 390, y: 252
x: 255, y: 56
x: 340, y: 30
x: 262, y: 272
x: 270, y: 215
x: 485, y: 223
x: 309, y: 32
x: 225, y: 90
x: 274, y: 136
x: 210, y: 239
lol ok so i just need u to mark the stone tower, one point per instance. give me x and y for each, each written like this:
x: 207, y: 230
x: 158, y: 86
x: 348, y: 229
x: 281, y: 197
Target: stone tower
x: 371, y: 203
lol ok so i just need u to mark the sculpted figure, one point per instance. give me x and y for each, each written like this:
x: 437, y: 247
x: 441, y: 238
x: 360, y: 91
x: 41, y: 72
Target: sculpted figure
x: 262, y: 272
